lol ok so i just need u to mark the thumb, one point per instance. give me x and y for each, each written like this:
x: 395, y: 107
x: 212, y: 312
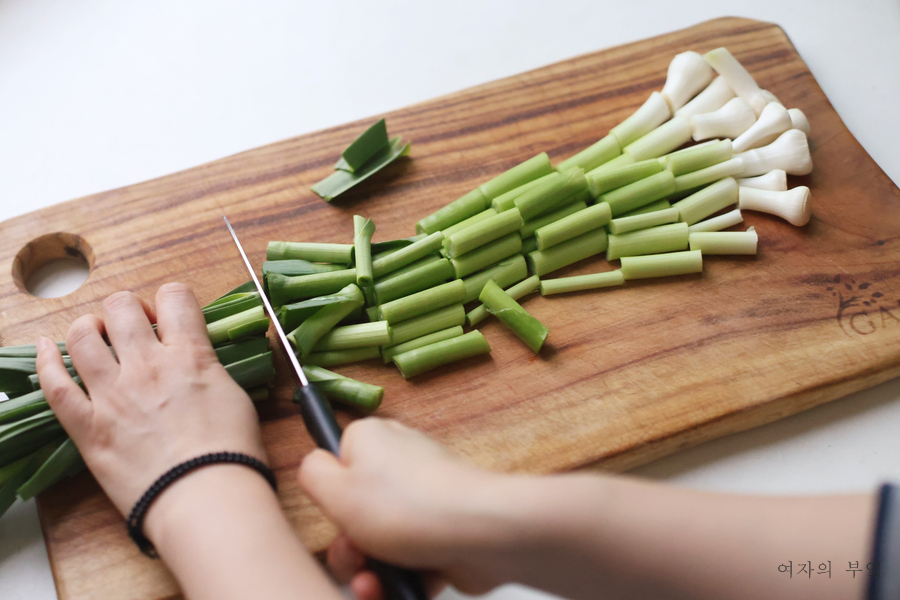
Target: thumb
x: 324, y: 479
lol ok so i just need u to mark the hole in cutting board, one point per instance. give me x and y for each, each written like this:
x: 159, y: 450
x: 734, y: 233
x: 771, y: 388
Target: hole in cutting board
x: 53, y: 265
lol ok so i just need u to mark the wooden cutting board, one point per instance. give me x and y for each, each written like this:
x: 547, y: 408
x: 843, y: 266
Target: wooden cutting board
x: 629, y: 374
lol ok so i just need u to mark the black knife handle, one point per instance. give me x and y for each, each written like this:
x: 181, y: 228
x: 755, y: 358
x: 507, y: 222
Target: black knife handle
x: 398, y: 583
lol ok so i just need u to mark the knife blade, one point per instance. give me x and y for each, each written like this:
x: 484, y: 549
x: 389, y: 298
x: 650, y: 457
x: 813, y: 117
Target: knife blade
x: 319, y: 419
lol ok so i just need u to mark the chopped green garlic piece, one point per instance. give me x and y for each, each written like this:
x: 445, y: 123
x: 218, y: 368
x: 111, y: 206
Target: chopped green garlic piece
x: 652, y: 113
x: 519, y: 290
x: 504, y: 273
x: 387, y: 354
x: 305, y: 337
x: 592, y: 157
x: 426, y: 358
x: 643, y: 221
x: 340, y: 181
x: 725, y: 242
x: 429, y: 274
x: 284, y: 290
x: 404, y: 256
x: 333, y: 358
x: 672, y: 134
x: 664, y: 238
x: 482, y: 233
x: 423, y: 302
x: 529, y: 227
x: 578, y: 283
x: 343, y: 389
x: 363, y: 230
x: 237, y: 326
x: 442, y: 318
x: 360, y: 335
x: 699, y: 157
x: 504, y: 307
x: 460, y: 209
x: 295, y: 267
x: 487, y: 255
x: 507, y: 200
x: 531, y: 169
x: 310, y: 251
x: 552, y: 193
x: 662, y: 265
x: 373, y: 140
x: 573, y: 225
x: 604, y: 180
x: 641, y: 192
x: 718, y: 223
x: 707, y: 201
x: 649, y: 208
x: 696, y: 179
x: 585, y: 245
x: 486, y: 213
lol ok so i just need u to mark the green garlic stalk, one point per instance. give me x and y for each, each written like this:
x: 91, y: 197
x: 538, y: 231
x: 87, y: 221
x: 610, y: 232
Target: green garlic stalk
x: 428, y: 274
x: 423, y: 302
x: 655, y: 240
x: 725, y: 242
x: 487, y: 255
x: 573, y: 225
x: 578, y: 283
x: 504, y: 307
x: 643, y: 221
x: 662, y: 265
x: 426, y: 358
x: 388, y: 353
x: 585, y: 245
x: 459, y: 210
x: 312, y: 252
x: 707, y: 201
x: 519, y: 290
x: 360, y: 335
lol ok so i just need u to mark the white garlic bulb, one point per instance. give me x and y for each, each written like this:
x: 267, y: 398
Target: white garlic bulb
x: 792, y: 205
x: 772, y: 122
x: 730, y: 121
x: 688, y: 74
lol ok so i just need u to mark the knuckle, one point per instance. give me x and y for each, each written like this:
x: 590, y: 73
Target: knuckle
x: 174, y: 289
x: 81, y: 329
x: 118, y: 300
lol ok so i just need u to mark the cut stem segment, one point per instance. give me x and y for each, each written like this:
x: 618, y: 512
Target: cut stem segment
x: 578, y: 283
x: 449, y: 316
x: 507, y: 200
x: 531, y: 169
x: 504, y: 307
x: 377, y: 333
x: 460, y: 209
x: 423, y: 302
x: 309, y: 251
x: 567, y: 253
x: 552, y: 193
x: 519, y: 290
x: 504, y: 273
x: 426, y: 358
x: 333, y: 358
x: 662, y: 140
x: 662, y: 265
x: 387, y: 354
x: 284, y: 290
x: 592, y: 157
x: 718, y: 223
x: 355, y: 393
x: 641, y: 192
x: 644, y: 221
x: 699, y: 157
x: 529, y: 227
x: 707, y: 201
x: 725, y: 242
x: 363, y: 230
x: 488, y: 212
x: 573, y: 225
x: 429, y: 274
x: 404, y: 256
x: 487, y: 255
x: 238, y: 326
x: 482, y: 233
x: 696, y: 179
x: 606, y: 180
x: 313, y: 328
x: 655, y: 240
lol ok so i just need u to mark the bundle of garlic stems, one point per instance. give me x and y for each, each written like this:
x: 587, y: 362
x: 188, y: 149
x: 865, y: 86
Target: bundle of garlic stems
x: 636, y: 195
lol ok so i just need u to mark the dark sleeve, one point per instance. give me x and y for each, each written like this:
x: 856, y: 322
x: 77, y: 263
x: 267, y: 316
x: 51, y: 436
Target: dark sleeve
x: 885, y: 584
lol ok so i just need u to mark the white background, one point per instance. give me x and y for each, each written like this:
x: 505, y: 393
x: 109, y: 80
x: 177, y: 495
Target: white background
x: 96, y: 95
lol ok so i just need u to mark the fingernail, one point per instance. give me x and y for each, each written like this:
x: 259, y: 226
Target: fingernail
x: 43, y: 344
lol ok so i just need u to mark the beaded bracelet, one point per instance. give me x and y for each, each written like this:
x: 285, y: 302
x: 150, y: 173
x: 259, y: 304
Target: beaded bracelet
x: 139, y: 512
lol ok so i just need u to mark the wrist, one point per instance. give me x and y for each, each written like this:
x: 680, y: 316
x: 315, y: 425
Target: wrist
x: 221, y: 488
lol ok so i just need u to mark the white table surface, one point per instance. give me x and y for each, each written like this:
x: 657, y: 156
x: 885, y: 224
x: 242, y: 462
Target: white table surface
x: 96, y: 95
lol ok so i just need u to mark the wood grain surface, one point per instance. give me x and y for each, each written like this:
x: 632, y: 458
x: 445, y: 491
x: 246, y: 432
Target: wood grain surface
x: 628, y: 374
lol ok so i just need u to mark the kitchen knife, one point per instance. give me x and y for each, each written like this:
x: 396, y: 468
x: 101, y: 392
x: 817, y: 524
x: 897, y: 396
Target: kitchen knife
x: 398, y: 583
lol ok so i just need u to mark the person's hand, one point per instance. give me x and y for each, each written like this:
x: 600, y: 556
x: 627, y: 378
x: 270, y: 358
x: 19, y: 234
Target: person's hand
x: 157, y: 402
x: 400, y: 497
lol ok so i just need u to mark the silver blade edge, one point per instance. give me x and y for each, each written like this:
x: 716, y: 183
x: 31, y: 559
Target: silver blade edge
x: 285, y: 344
